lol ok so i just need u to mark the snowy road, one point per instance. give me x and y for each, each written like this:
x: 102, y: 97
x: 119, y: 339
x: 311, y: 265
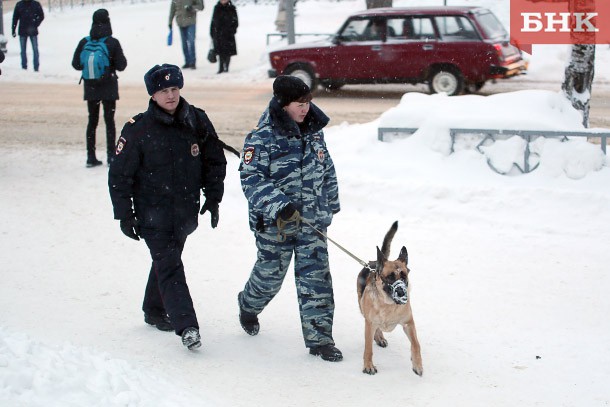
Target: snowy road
x: 55, y: 114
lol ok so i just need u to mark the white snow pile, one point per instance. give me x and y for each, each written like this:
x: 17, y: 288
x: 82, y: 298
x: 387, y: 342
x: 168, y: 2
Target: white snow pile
x: 434, y: 115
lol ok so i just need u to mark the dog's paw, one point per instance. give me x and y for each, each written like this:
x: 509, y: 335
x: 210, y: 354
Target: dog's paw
x: 380, y: 339
x: 371, y: 369
x: 383, y: 342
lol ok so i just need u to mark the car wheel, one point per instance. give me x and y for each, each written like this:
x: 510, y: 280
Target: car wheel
x: 303, y: 73
x: 447, y: 80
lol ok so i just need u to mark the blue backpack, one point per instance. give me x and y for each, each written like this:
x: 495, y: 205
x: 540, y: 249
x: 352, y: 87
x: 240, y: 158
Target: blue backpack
x: 94, y: 58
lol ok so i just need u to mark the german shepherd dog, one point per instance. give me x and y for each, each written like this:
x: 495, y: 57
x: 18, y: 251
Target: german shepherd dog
x: 383, y: 296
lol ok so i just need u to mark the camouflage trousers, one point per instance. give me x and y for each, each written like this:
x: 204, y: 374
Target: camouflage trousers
x: 312, y: 277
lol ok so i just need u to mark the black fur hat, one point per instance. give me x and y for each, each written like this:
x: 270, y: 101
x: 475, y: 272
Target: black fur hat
x: 163, y: 76
x: 288, y: 89
x: 100, y: 27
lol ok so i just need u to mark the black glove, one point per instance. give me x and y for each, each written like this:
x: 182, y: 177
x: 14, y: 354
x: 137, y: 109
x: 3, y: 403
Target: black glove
x: 289, y: 213
x: 170, y: 26
x: 211, y: 206
x: 188, y: 8
x: 130, y: 227
x: 14, y: 34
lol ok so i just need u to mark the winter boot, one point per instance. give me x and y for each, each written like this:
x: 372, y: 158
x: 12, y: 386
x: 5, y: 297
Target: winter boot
x: 327, y: 352
x: 191, y: 338
x: 161, y: 322
x: 248, y: 320
x: 93, y: 162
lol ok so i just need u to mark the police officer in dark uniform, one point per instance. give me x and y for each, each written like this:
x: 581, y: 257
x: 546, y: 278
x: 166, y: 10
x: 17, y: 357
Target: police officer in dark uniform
x: 164, y: 158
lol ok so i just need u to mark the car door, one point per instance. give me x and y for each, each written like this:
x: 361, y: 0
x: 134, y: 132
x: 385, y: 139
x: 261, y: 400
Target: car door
x: 408, y: 53
x: 358, y: 50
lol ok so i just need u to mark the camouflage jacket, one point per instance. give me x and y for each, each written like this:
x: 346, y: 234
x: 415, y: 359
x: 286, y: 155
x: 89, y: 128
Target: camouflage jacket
x: 283, y: 162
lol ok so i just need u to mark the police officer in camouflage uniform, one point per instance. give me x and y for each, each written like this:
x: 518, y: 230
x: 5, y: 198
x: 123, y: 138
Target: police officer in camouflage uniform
x: 164, y: 158
x: 288, y: 177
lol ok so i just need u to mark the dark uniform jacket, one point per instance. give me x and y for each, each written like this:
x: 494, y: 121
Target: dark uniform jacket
x: 162, y: 163
x: 29, y: 14
x: 223, y: 28
x: 106, y: 88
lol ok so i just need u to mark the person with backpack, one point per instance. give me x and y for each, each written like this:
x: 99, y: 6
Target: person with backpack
x: 28, y: 14
x: 99, y: 56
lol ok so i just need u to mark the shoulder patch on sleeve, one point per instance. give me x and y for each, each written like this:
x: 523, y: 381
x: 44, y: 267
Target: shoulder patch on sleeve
x: 120, y: 145
x: 135, y: 118
x: 248, y: 155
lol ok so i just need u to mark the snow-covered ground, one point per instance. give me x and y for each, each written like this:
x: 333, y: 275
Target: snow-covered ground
x: 509, y: 273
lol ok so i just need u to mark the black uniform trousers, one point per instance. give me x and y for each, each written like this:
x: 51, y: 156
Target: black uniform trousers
x: 166, y: 291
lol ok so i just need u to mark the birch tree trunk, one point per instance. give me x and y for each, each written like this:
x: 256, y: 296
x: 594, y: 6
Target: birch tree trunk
x: 579, y: 78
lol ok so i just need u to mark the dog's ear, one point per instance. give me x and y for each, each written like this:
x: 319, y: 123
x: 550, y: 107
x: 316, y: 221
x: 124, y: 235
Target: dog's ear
x: 404, y: 256
x: 380, y: 260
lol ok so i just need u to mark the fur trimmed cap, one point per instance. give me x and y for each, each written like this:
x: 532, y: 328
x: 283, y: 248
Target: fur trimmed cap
x: 288, y: 89
x: 163, y: 76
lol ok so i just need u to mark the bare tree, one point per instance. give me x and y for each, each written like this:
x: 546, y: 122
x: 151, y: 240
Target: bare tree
x: 579, y: 78
x: 581, y: 65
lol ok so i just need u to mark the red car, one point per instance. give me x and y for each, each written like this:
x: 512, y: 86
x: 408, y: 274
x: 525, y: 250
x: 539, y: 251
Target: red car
x: 451, y: 48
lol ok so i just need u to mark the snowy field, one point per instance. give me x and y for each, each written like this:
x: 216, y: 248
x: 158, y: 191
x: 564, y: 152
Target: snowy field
x: 509, y: 273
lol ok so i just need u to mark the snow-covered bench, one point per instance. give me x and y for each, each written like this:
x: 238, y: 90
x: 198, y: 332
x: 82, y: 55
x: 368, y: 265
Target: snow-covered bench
x: 389, y: 133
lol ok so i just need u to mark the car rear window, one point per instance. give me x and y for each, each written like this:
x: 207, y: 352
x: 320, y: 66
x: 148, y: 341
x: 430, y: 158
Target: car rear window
x: 492, y: 27
x: 456, y: 28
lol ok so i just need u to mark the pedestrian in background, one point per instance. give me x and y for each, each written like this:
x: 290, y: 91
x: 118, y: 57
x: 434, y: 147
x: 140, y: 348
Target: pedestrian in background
x: 1, y: 59
x: 28, y: 14
x: 164, y: 158
x: 104, y: 91
x: 222, y: 30
x: 288, y: 178
x: 185, y: 12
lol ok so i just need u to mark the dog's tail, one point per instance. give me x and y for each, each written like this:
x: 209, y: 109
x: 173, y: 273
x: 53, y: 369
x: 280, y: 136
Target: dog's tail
x: 387, y: 240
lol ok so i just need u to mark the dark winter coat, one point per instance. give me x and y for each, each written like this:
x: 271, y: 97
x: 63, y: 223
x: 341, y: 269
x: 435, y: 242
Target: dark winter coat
x: 106, y: 88
x: 162, y: 163
x: 223, y: 28
x: 29, y: 14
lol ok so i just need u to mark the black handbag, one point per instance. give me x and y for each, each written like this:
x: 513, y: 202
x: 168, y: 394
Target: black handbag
x: 212, y: 56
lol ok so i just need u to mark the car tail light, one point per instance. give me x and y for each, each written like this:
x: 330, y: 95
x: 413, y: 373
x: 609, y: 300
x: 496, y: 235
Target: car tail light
x: 498, y: 48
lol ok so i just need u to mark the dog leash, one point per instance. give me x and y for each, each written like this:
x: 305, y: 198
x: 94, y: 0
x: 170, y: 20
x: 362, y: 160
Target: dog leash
x: 353, y: 256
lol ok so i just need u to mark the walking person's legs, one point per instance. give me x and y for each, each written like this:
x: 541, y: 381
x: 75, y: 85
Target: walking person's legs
x: 192, y: 56
x: 93, y: 106
x: 185, y: 48
x: 109, y: 110
x: 23, y: 42
x: 315, y: 294
x: 34, y: 41
x: 268, y: 273
x: 169, y: 271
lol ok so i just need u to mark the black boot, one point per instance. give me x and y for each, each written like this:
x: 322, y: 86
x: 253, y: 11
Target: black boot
x: 327, y: 352
x: 191, y: 338
x: 161, y: 322
x: 93, y: 162
x: 248, y: 320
